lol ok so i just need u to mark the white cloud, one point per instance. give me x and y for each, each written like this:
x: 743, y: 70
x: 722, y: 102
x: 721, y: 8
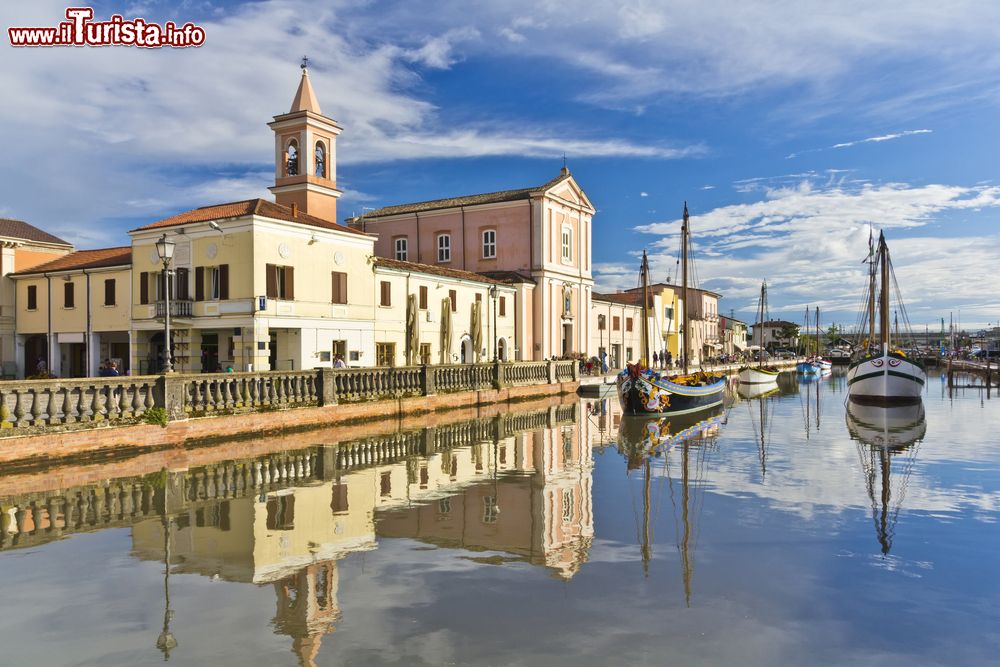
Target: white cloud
x: 808, y: 241
x: 643, y: 194
x: 881, y: 138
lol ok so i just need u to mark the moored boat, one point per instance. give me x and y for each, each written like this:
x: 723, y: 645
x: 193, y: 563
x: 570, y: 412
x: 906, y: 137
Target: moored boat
x: 643, y: 391
x: 760, y: 373
x: 881, y: 372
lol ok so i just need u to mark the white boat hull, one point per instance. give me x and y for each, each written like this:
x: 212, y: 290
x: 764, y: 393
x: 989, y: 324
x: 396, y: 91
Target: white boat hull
x: 885, y: 379
x: 757, y: 376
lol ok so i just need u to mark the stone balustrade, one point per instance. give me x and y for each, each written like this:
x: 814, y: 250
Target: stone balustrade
x: 30, y: 406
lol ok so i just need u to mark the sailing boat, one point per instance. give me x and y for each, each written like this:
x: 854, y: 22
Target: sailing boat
x: 808, y: 367
x: 643, y: 391
x: 880, y: 372
x: 884, y: 433
x: 760, y: 374
x: 825, y: 365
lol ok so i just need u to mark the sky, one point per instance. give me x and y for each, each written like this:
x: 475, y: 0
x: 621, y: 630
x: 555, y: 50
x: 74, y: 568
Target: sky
x: 791, y: 129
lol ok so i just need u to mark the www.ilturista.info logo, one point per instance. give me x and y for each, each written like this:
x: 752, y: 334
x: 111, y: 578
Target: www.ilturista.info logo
x: 81, y: 30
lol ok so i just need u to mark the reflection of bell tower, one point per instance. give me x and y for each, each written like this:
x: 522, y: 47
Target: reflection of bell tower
x: 305, y: 174
x: 307, y: 608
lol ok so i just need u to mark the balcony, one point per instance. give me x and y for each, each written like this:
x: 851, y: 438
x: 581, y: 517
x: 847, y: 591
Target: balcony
x: 178, y: 308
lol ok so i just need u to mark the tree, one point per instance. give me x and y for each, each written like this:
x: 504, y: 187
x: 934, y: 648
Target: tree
x: 788, y: 333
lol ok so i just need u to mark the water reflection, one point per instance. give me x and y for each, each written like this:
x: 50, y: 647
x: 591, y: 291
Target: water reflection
x: 882, y: 434
x: 519, y: 484
x: 643, y: 441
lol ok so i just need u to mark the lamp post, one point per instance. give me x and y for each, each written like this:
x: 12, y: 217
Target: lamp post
x: 493, y: 295
x: 166, y: 642
x: 165, y: 250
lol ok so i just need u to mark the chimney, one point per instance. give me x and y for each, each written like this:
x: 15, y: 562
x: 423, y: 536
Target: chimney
x: 295, y: 210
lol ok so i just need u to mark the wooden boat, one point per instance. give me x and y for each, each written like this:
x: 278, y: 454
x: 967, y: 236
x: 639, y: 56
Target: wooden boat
x: 643, y: 391
x: 880, y: 372
x: 760, y: 374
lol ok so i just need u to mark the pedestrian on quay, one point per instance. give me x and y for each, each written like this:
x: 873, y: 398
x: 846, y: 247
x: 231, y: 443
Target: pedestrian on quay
x: 656, y: 360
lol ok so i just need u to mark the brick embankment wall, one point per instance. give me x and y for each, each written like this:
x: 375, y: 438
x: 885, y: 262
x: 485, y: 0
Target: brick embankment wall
x: 334, y: 423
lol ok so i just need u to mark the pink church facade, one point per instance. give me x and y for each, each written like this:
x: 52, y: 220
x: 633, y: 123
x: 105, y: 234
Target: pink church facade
x: 538, y: 239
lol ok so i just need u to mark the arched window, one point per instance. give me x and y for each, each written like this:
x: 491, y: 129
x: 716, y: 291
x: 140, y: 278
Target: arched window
x: 292, y: 159
x: 320, y: 160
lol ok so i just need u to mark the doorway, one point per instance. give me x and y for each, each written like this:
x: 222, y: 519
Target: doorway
x: 567, y: 339
x: 209, y: 353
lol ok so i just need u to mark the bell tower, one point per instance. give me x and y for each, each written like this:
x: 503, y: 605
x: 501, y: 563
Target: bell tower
x: 305, y: 164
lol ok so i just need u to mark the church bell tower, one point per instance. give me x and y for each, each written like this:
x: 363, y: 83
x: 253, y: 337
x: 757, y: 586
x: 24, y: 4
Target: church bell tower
x: 305, y: 174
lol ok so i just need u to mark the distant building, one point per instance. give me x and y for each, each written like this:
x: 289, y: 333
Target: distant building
x: 774, y: 334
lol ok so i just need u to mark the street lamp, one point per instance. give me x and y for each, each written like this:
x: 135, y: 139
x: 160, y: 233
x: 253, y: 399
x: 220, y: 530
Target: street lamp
x: 166, y: 642
x: 493, y: 295
x: 165, y: 250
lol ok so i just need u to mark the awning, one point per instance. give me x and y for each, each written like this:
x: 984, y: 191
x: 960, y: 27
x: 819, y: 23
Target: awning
x: 738, y: 346
x: 714, y: 346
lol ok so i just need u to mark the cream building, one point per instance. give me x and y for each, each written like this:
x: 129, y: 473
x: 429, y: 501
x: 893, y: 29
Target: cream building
x: 77, y: 309
x: 22, y: 247
x: 616, y: 324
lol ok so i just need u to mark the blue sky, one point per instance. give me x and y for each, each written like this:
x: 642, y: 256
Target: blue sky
x: 788, y: 127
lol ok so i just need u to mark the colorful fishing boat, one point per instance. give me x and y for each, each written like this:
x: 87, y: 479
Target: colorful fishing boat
x: 881, y: 373
x: 642, y: 390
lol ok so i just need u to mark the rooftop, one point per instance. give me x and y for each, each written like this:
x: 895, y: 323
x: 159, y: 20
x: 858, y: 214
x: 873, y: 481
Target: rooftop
x: 239, y: 209
x: 19, y: 229
x: 630, y: 298
x: 467, y: 200
x: 85, y: 259
x: 435, y: 270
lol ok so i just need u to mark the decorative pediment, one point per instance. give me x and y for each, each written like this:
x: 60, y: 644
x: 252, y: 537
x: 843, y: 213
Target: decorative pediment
x: 568, y: 191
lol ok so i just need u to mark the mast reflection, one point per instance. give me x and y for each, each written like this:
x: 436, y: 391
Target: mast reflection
x: 882, y: 434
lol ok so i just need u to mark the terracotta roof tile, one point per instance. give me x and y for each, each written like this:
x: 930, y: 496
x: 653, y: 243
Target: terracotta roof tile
x: 508, y: 276
x: 239, y: 209
x: 626, y: 298
x: 467, y: 200
x: 85, y: 259
x: 18, y: 229
x: 435, y: 270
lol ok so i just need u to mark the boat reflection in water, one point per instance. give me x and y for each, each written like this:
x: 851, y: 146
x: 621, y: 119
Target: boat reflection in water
x: 643, y: 441
x: 885, y: 434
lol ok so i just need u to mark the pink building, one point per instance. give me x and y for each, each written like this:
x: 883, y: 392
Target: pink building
x: 538, y: 238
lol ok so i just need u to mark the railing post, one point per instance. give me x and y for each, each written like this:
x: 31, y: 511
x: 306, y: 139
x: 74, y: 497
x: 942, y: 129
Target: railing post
x: 576, y: 371
x: 327, y: 387
x: 552, y: 371
x: 498, y: 379
x: 170, y: 396
x: 427, y: 380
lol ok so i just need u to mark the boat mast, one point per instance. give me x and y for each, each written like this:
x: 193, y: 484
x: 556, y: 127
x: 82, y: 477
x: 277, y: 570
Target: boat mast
x: 644, y: 274
x: 871, y: 292
x: 684, y: 288
x: 760, y: 318
x: 883, y: 252
x: 647, y: 551
x: 686, y: 540
x: 817, y: 333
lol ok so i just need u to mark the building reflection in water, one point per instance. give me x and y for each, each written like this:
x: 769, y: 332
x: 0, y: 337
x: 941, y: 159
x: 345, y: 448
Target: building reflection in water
x: 884, y: 434
x: 515, y: 487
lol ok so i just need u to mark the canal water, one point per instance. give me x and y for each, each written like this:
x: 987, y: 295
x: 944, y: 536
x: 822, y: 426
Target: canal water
x: 782, y: 530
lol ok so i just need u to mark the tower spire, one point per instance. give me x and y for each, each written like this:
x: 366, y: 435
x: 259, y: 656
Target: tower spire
x: 305, y: 98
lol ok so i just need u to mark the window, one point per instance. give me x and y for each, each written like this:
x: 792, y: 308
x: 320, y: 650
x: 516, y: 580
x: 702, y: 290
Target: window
x: 339, y: 287
x: 386, y: 298
x: 385, y: 354
x: 503, y: 306
x: 490, y: 509
x: 211, y: 282
x: 292, y: 159
x: 281, y: 513
x: 109, y: 292
x: 425, y: 354
x: 339, y: 348
x: 616, y: 323
x: 479, y: 297
x: 181, y: 290
x: 567, y: 506
x: 567, y: 244
x: 32, y: 297
x: 668, y: 312
x: 628, y: 353
x: 338, y: 502
x: 69, y: 296
x: 444, y: 506
x: 628, y: 324
x: 214, y: 284
x: 490, y: 244
x: 401, y: 249
x: 320, y: 160
x: 385, y: 484
x: 280, y: 282
x: 422, y: 297
x: 444, y: 248
x: 602, y: 323
x: 453, y: 297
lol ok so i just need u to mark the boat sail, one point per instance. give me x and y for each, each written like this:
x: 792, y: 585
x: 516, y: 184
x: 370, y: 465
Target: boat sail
x: 643, y: 391
x: 880, y: 372
x: 760, y: 374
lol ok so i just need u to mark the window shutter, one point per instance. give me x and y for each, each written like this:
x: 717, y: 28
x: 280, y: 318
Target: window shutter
x: 68, y: 294
x: 32, y: 297
x: 109, y: 292
x: 503, y: 307
x: 453, y: 297
x: 199, y: 283
x: 144, y: 287
x: 334, y: 287
x: 423, y: 297
x: 339, y: 287
x: 223, y: 281
x: 386, y: 299
x: 289, y: 283
x: 343, y: 288
x: 182, y: 284
x: 271, y: 271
